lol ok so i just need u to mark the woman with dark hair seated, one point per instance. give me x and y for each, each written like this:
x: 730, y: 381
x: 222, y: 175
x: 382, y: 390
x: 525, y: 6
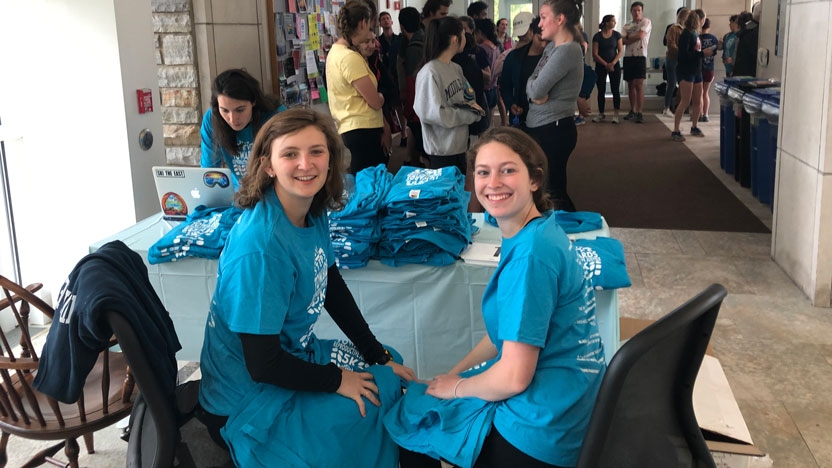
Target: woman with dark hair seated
x: 238, y: 110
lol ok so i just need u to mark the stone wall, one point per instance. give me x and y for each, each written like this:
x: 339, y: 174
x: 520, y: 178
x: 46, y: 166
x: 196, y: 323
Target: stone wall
x: 178, y: 80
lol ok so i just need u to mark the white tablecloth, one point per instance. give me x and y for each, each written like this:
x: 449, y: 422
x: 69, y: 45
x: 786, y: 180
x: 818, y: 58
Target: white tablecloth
x: 431, y: 315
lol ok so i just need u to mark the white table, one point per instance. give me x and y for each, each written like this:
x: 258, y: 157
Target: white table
x: 431, y: 315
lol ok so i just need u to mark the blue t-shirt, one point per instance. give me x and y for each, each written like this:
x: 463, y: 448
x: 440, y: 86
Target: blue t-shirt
x: 545, y: 300
x: 272, y: 279
x: 708, y: 40
x: 729, y: 48
x: 548, y: 420
x: 214, y: 155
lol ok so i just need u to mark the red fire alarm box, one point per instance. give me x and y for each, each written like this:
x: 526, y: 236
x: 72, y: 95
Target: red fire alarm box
x: 397, y: 5
x: 145, y: 98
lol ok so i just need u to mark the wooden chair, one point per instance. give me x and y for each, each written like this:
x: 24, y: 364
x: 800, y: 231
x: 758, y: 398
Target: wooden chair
x: 27, y: 413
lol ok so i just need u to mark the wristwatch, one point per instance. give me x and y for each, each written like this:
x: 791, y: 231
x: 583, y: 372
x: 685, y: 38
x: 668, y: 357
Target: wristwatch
x: 386, y: 357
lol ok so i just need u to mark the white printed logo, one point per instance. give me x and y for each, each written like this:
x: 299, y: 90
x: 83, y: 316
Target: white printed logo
x: 422, y: 176
x: 319, y: 267
x: 66, y: 303
x: 590, y: 260
x: 346, y: 356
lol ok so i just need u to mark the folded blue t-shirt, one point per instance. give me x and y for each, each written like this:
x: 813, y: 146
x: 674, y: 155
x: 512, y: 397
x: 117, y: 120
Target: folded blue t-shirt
x: 572, y: 222
x: 603, y: 260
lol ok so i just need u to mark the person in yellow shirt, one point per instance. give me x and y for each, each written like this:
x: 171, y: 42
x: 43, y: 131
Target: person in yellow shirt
x: 354, y: 100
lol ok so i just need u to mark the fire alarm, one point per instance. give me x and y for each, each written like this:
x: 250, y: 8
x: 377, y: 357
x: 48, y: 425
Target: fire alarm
x: 145, y: 99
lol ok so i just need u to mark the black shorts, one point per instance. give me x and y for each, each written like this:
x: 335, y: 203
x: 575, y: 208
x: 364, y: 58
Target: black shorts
x: 635, y: 68
x: 416, y: 133
x: 458, y: 160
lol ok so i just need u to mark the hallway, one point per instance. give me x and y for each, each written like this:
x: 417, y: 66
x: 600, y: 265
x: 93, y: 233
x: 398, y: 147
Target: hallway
x: 775, y: 348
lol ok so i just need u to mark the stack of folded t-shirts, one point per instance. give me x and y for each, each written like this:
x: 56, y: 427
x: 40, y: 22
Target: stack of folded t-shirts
x: 355, y: 230
x: 426, y: 218
x: 202, y: 234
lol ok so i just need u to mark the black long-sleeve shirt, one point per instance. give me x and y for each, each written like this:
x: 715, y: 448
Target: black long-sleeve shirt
x: 268, y: 362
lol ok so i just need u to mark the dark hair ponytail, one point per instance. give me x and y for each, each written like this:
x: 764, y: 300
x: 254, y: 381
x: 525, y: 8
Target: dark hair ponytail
x: 572, y: 10
x: 439, y: 34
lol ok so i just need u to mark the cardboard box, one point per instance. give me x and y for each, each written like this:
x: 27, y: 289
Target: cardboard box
x: 717, y: 411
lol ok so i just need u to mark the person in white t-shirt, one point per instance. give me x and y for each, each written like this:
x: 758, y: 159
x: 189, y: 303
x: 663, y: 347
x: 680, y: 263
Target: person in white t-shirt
x: 636, y: 36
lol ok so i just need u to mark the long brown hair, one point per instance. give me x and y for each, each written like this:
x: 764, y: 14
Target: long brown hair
x: 350, y: 18
x: 256, y: 181
x: 530, y: 153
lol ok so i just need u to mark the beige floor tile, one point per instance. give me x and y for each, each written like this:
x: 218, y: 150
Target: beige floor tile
x: 814, y: 421
x: 633, y: 270
x: 655, y: 241
x: 685, y: 271
x: 775, y: 433
x: 735, y: 244
x: 689, y: 243
x: 766, y: 278
x: 651, y: 304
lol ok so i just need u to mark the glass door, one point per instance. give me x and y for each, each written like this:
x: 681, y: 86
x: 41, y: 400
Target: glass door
x: 661, y: 13
x: 509, y: 8
x: 9, y: 262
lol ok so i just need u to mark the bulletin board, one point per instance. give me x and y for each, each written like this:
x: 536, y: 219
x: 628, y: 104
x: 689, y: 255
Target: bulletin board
x: 301, y: 32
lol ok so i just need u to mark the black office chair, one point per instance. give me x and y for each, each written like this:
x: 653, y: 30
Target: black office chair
x: 643, y: 415
x: 154, y: 437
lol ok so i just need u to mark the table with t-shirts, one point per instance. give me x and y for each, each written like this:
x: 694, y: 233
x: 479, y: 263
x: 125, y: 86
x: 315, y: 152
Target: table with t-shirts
x: 431, y: 315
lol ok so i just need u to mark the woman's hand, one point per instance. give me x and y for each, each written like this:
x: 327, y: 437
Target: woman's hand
x: 610, y: 67
x: 516, y: 110
x: 541, y: 100
x: 442, y: 386
x: 403, y: 372
x: 387, y: 139
x: 355, y: 385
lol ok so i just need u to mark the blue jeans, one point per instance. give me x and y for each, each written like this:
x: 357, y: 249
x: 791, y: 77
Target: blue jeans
x: 672, y: 81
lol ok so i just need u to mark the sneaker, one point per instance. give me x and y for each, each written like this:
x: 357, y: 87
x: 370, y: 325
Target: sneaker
x: 677, y: 136
x: 598, y: 118
x: 579, y: 120
x: 704, y: 118
x: 630, y: 115
x: 639, y: 118
x: 666, y: 112
x: 615, y: 119
x: 694, y: 131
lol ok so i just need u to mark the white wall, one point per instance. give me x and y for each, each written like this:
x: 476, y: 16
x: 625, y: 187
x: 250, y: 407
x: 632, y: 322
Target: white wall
x: 768, y: 36
x: 802, y: 231
x: 69, y: 73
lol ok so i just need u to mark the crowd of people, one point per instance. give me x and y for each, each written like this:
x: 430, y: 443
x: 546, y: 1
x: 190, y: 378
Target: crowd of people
x: 272, y: 392
x: 690, y: 62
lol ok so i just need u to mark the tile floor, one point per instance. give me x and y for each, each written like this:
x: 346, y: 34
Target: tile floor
x: 775, y: 348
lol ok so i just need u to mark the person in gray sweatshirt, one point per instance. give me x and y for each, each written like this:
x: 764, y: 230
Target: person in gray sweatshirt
x: 552, y: 90
x: 445, y: 102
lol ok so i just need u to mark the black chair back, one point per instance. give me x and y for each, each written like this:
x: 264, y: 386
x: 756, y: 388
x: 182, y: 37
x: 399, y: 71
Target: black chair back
x: 154, y: 437
x: 643, y: 415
